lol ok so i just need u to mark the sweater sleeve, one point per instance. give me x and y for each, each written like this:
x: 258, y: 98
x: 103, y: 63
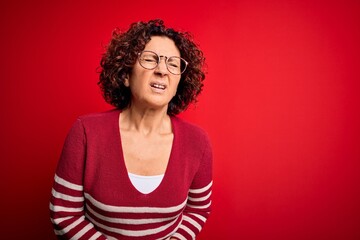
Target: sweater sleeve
x: 198, y: 205
x: 67, y: 196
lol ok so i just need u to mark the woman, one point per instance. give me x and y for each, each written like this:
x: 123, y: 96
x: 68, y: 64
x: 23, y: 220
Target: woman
x: 138, y: 171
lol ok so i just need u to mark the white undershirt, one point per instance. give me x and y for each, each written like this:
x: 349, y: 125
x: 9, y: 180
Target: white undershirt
x: 145, y: 184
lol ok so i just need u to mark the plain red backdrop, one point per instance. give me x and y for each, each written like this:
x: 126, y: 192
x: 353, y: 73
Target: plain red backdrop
x: 280, y: 103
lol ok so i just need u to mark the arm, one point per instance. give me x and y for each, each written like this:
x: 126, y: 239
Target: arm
x: 198, y: 206
x: 67, y: 199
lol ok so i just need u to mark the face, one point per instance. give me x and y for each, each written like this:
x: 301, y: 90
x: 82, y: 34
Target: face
x: 154, y: 88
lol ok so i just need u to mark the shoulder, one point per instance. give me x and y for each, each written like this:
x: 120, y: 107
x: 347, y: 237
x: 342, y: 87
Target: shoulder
x: 98, y: 123
x: 99, y: 118
x: 186, y: 126
x: 189, y: 131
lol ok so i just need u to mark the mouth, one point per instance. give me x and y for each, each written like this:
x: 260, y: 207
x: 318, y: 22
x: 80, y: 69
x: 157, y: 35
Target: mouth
x: 158, y: 86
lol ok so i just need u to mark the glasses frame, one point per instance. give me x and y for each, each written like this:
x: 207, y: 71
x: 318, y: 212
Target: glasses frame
x: 166, y: 61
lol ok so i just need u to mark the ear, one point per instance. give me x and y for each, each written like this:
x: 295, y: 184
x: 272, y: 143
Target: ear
x: 126, y: 81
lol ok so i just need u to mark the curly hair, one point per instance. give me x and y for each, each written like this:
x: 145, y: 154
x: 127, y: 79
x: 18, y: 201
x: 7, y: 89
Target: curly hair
x: 122, y: 53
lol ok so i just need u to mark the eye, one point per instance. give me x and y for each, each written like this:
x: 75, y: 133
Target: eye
x: 149, y: 58
x: 173, y: 62
x: 173, y: 65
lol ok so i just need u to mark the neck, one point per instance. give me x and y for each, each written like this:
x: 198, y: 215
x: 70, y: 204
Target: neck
x: 145, y: 121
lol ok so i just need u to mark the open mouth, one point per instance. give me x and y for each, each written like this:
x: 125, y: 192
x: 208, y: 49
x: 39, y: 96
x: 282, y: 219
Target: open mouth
x: 158, y: 86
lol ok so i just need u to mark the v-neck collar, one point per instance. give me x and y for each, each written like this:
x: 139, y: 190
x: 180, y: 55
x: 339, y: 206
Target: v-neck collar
x: 122, y: 158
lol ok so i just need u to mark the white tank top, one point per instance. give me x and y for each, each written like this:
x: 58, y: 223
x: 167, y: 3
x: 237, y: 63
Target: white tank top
x: 145, y: 184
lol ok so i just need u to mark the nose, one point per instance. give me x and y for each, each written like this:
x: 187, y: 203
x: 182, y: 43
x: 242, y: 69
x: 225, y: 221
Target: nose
x: 161, y: 67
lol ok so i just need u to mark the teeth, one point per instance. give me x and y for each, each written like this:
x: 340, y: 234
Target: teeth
x: 155, y: 85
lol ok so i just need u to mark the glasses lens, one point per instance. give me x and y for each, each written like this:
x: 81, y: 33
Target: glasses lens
x: 148, y: 60
x: 176, y: 65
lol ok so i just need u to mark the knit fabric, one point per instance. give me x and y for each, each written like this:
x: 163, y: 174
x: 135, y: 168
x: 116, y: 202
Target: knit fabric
x: 93, y: 197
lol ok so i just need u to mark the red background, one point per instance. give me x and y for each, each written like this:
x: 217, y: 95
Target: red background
x: 281, y: 105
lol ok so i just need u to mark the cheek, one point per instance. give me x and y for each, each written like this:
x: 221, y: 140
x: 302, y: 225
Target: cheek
x: 136, y: 78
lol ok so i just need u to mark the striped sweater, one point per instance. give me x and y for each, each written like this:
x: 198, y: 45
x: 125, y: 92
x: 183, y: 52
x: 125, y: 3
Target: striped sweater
x: 93, y: 197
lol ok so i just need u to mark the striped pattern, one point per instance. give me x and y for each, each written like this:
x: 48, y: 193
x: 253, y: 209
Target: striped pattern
x: 67, y: 212
x: 196, y: 212
x: 93, y: 198
x: 98, y: 220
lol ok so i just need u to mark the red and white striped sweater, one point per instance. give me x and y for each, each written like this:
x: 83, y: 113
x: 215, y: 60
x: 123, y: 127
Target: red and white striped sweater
x: 93, y: 198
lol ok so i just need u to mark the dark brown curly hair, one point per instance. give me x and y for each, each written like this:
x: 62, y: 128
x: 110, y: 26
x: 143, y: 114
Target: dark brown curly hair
x: 122, y: 53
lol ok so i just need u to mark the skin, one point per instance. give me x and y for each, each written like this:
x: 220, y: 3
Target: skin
x: 145, y: 124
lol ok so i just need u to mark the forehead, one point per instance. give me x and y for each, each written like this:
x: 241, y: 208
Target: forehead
x: 162, y: 46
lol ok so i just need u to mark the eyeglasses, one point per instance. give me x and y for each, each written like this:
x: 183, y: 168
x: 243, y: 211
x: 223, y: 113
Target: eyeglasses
x: 150, y: 60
